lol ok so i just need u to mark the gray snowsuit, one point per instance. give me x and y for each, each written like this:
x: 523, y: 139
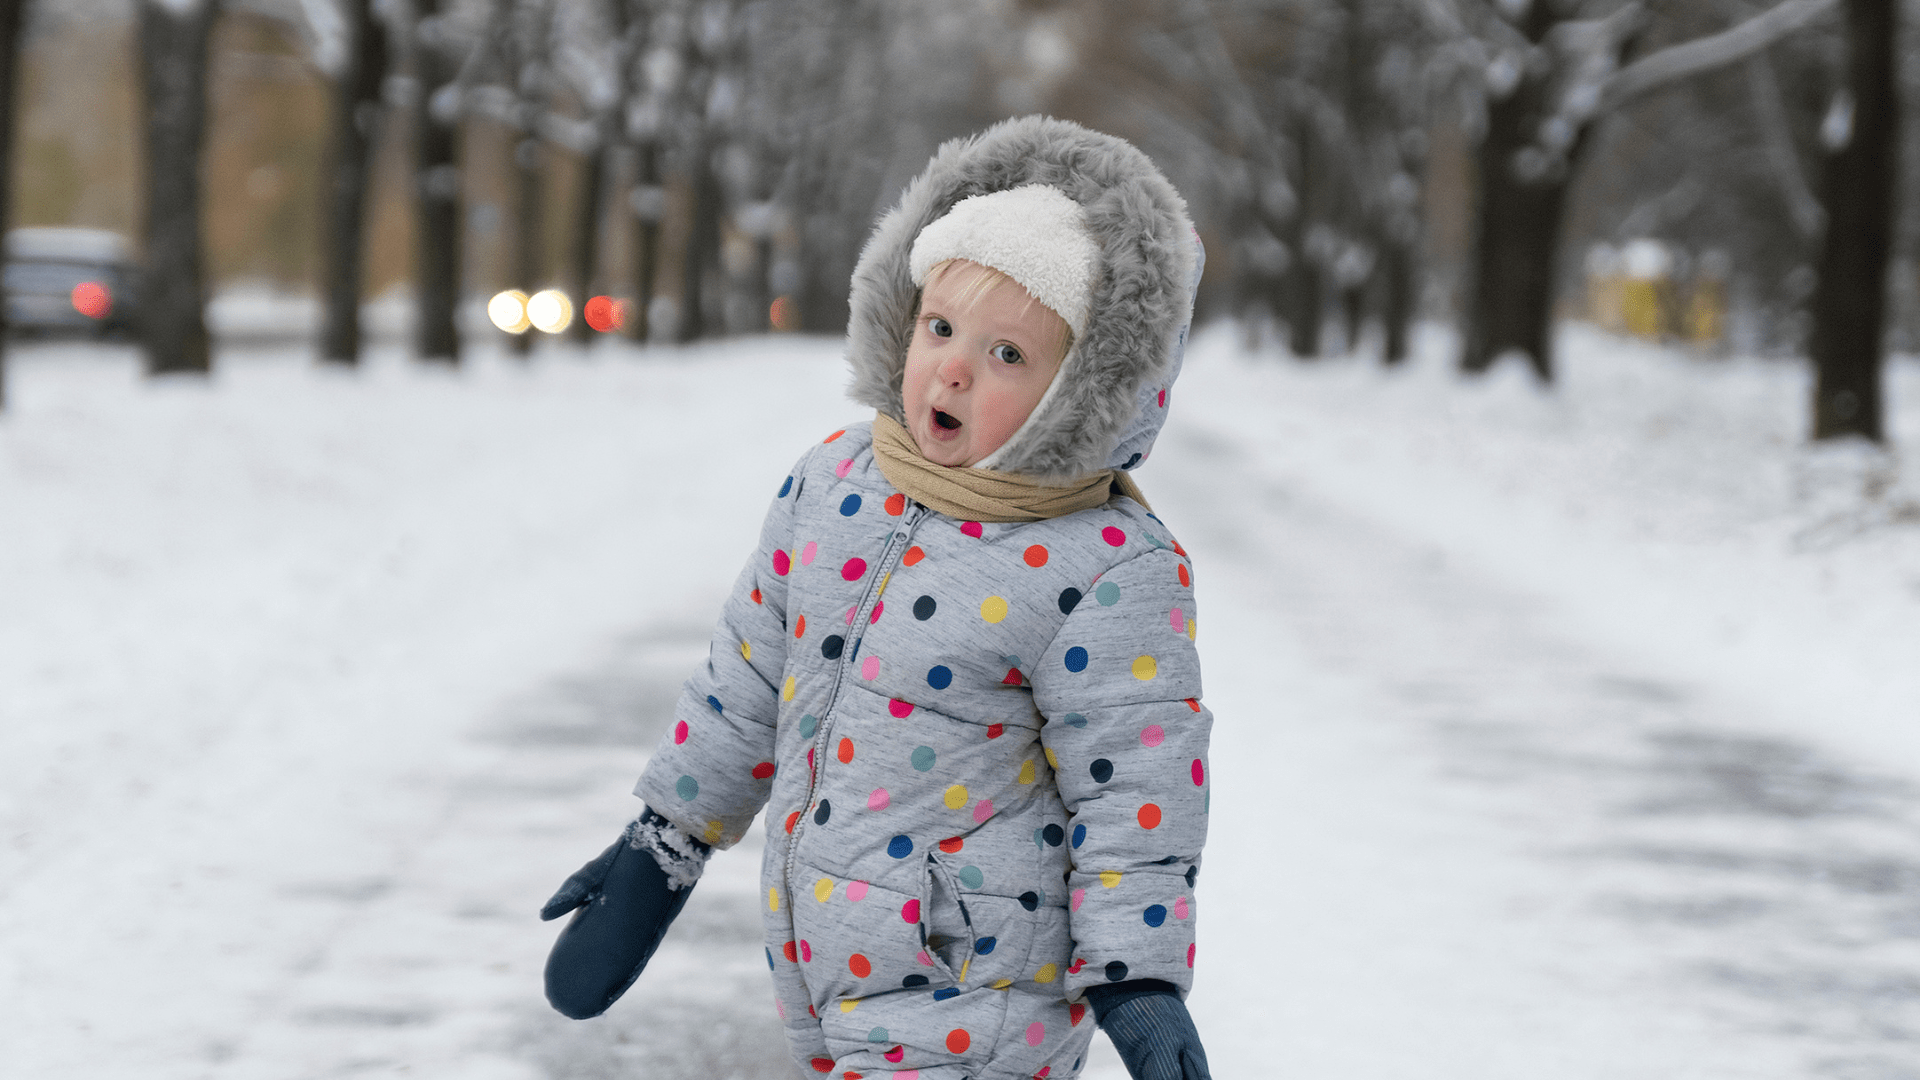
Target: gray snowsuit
x: 981, y: 745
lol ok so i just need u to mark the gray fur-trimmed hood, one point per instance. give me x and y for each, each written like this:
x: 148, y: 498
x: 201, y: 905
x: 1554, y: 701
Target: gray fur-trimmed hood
x: 1109, y: 400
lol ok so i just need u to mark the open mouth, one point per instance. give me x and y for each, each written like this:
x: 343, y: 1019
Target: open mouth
x: 946, y: 420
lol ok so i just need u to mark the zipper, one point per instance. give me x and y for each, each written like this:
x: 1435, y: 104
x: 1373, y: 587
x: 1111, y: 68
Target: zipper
x: 897, y: 541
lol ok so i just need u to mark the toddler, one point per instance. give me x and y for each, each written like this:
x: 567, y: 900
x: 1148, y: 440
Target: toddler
x: 959, y: 670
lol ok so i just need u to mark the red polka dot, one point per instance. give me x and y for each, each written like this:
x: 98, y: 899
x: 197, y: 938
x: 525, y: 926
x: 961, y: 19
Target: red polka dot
x: 971, y: 528
x: 782, y: 562
x: 1036, y: 555
x: 824, y: 1064
x: 952, y: 844
x: 791, y: 952
x: 757, y: 598
x: 1113, y: 536
x: 1077, y: 1012
x: 1178, y: 550
x: 877, y: 609
x: 1189, y: 955
x: 1149, y: 816
x: 1163, y: 397
x: 859, y: 965
x: 913, y: 555
x: 894, y: 1055
x: 1199, y: 773
x: 845, y: 753
x: 857, y: 566
x: 896, y: 504
x: 800, y: 627
x: 910, y: 911
x: 829, y: 439
x: 900, y: 709
x: 1185, y: 578
x: 994, y: 731
x: 1012, y: 678
x: 1192, y: 704
x: 792, y: 819
x: 679, y: 733
x: 958, y: 1040
x: 763, y: 771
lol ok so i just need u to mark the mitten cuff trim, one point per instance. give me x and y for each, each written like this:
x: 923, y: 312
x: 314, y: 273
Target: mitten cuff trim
x: 682, y: 858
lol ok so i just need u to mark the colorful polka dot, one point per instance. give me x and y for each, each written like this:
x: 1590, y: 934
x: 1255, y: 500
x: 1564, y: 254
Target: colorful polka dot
x: 853, y: 568
x: 746, y: 650
x: 1178, y: 620
x: 972, y: 878
x: 845, y: 751
x: 1074, y: 720
x: 993, y: 609
x: 910, y: 911
x: 994, y: 731
x: 834, y: 436
x: 896, y: 504
x: 1047, y: 973
x: 922, y: 758
x: 879, y: 800
x: 1053, y: 835
x: 823, y: 889
x: 1193, y: 704
x: 850, y: 506
x: 860, y: 966
x: 1076, y: 659
x: 763, y: 771
x: 822, y: 812
x: 1069, y: 599
x: 982, y: 811
x: 844, y: 467
x: 1079, y: 897
x: 680, y: 733
x: 1152, y: 735
x: 1108, y: 594
x: 940, y: 677
x: 756, y: 597
x: 870, y: 668
x: 1036, y: 1033
x: 1145, y: 667
x: 1116, y: 971
x: 786, y: 689
x: 1189, y: 955
x: 1101, y: 770
x: 785, y: 487
x: 898, y: 709
x: 800, y: 627
x: 806, y: 951
x: 924, y: 608
x: 1199, y: 773
x: 874, y: 616
x: 857, y: 891
x: 1186, y: 579
x: 773, y: 899
x: 830, y: 648
x: 687, y: 788
x: 1114, y: 537
x: 971, y: 528
x: 952, y: 844
x: 913, y: 556
x: 808, y: 553
x: 1035, y: 556
x: 807, y: 725
x: 1110, y: 878
x: 958, y: 1040
x: 1149, y: 816
x: 1155, y: 915
x: 1079, y: 835
x: 1026, y: 772
x: 782, y: 563
x: 899, y: 847
x: 955, y: 797
x: 1180, y: 909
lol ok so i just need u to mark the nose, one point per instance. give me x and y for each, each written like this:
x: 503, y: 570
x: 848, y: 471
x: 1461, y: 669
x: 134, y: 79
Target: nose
x: 955, y: 372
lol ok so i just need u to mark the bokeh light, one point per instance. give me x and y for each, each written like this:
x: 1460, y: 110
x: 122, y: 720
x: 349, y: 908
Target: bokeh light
x: 550, y: 311
x: 508, y: 310
x: 606, y: 314
x: 784, y: 314
x: 90, y: 298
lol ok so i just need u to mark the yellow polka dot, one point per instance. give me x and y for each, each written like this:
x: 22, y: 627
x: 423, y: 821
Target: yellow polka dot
x: 1026, y: 771
x: 1003, y: 984
x: 956, y: 796
x: 1193, y: 629
x: 1047, y: 973
x: 823, y: 889
x: 773, y: 899
x: 746, y: 651
x: 1109, y: 878
x: 993, y: 609
x: 786, y: 692
x: 1145, y: 668
x: 711, y: 834
x: 1053, y: 761
x: 884, y: 578
x: 849, y: 1005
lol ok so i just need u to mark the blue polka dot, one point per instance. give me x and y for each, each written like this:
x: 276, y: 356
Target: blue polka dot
x: 1116, y: 971
x: 1155, y: 915
x: 900, y: 847
x: 1135, y: 459
x: 914, y: 982
x: 687, y: 788
x: 784, y: 488
x: 1075, y: 720
x: 946, y: 992
x: 807, y: 725
x: 940, y: 677
x: 1076, y: 659
x: 985, y: 945
x: 769, y: 953
x: 1029, y: 900
x: 1053, y: 834
x: 1069, y: 599
x: 1101, y: 770
x: 850, y: 506
x: 924, y: 608
x: 713, y: 703
x: 822, y: 812
x: 1079, y: 835
x: 922, y: 758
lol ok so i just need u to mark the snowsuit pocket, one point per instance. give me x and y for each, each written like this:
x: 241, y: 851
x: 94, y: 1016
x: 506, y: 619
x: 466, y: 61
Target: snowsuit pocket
x: 854, y: 939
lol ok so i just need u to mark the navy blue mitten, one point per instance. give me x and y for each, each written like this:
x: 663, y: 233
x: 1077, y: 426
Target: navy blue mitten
x: 1150, y: 1027
x: 625, y: 901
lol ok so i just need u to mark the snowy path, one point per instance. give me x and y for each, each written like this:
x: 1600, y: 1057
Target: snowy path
x: 1464, y: 827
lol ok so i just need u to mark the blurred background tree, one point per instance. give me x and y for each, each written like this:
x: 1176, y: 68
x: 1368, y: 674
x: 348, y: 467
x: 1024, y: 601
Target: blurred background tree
x: 1664, y: 169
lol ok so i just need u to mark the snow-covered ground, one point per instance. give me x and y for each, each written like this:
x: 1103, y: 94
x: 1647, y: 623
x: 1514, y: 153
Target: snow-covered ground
x: 1570, y: 734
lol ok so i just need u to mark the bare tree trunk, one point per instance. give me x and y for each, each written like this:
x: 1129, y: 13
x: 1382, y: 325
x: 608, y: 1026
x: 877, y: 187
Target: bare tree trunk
x: 703, y: 243
x: 436, y: 196
x: 1849, y: 301
x: 647, y: 204
x: 356, y: 119
x: 173, y: 64
x: 529, y: 233
x: 586, y: 235
x: 1396, y: 301
x: 1303, y: 296
x: 1516, y: 243
x: 10, y: 18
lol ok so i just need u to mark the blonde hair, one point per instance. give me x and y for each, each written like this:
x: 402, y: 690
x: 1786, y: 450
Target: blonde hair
x: 974, y: 280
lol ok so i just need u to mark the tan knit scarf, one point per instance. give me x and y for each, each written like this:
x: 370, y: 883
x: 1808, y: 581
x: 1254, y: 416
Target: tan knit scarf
x: 983, y: 494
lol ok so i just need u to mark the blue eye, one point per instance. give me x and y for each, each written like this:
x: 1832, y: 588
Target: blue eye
x: 1006, y: 354
x: 939, y: 327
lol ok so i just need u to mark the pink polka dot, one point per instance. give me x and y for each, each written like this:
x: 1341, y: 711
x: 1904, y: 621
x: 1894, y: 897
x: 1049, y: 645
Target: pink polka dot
x: 1178, y: 620
x: 1163, y: 397
x: 1152, y: 735
x: 910, y: 911
x: 780, y: 1007
x: 983, y: 810
x: 782, y: 563
x: 877, y: 609
x: 1113, y: 536
x: 971, y: 528
x: 1180, y: 909
x: 1199, y: 773
x: 879, y: 800
x: 906, y: 1074
x: 1078, y: 895
x: 807, y: 553
x: 900, y: 709
x: 806, y: 952
x: 853, y: 569
x: 1036, y: 1033
x: 870, y: 668
x: 680, y: 733
x: 923, y: 958
x: 846, y: 466
x: 1189, y: 956
x: 850, y: 612
x: 857, y: 891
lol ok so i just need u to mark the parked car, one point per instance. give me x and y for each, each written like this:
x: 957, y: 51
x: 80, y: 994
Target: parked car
x: 70, y: 281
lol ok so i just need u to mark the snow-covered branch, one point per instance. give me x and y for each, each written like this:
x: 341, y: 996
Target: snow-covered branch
x: 1715, y: 50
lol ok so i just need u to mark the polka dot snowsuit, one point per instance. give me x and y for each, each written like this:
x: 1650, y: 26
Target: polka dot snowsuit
x: 983, y: 756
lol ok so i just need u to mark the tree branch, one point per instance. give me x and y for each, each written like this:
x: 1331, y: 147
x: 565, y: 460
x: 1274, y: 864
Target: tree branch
x: 1715, y: 50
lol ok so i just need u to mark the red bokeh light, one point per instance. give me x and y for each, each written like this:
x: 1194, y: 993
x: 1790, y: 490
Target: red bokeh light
x: 90, y: 298
x: 784, y: 314
x: 606, y: 314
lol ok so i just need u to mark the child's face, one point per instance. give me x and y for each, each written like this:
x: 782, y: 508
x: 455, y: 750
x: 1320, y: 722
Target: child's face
x: 976, y: 369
